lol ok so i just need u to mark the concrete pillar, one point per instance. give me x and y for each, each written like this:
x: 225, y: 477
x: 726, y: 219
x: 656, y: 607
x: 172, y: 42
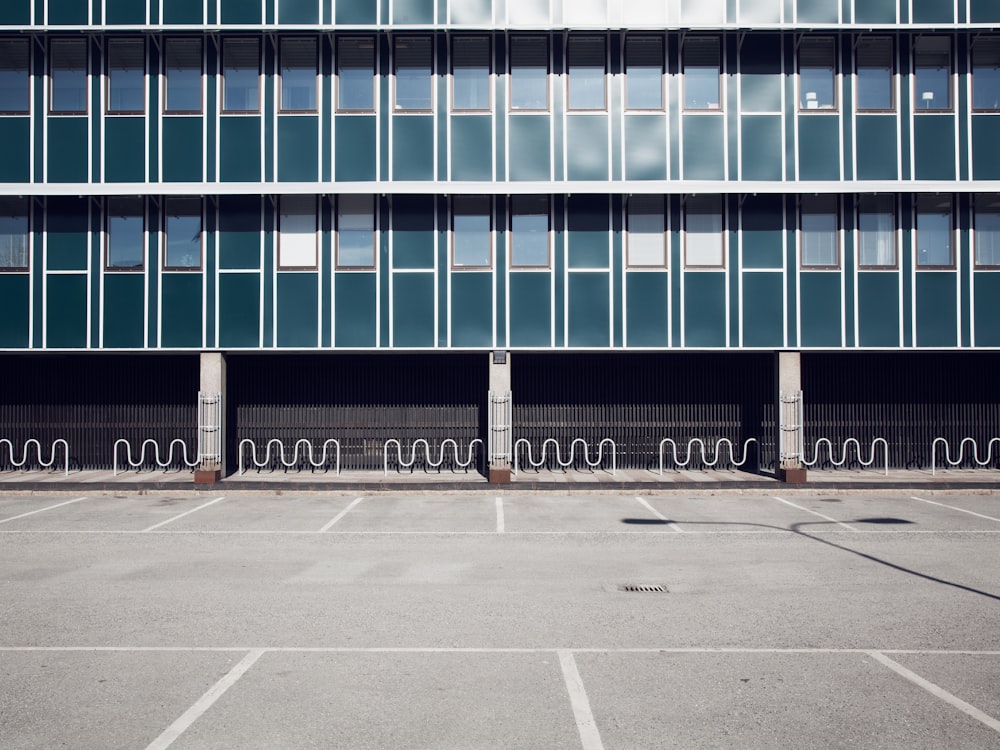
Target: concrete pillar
x: 212, y: 382
x: 499, y: 468
x: 788, y: 383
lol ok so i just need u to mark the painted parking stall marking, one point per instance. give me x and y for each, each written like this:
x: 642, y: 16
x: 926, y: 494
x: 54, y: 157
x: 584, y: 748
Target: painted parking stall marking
x: 673, y: 525
x: 953, y: 507
x: 816, y: 513
x: 181, y: 515
x: 42, y: 510
x: 340, y: 515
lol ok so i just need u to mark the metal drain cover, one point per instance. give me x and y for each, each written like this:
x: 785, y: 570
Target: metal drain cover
x: 644, y: 588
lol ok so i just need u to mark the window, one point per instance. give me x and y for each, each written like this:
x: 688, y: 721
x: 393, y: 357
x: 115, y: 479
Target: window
x: 986, y: 227
x: 241, y: 70
x: 817, y: 68
x: 471, y: 225
x: 126, y: 76
x: 529, y: 73
x: 183, y: 76
x: 13, y: 234
x: 703, y: 239
x: 818, y: 227
x: 643, y: 72
x: 874, y: 74
x: 14, y: 79
x: 932, y: 73
x: 413, y: 73
x: 702, y: 73
x: 470, y: 73
x: 124, y: 241
x: 297, y: 231
x: 585, y: 62
x: 356, y: 75
x: 645, y: 227
x: 182, y: 234
x: 68, y: 63
x: 298, y: 75
x: 877, y: 231
x: 934, y: 232
x: 986, y: 74
x: 355, y: 232
x: 529, y: 231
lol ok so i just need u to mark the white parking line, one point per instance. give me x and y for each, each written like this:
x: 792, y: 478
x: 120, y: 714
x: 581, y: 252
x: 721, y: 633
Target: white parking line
x: 952, y: 507
x: 500, y: 523
x: 340, y: 515
x: 659, y: 515
x: 204, y: 703
x: 181, y: 515
x: 816, y: 513
x: 589, y: 736
x: 937, y: 692
x: 42, y: 510
x: 806, y: 651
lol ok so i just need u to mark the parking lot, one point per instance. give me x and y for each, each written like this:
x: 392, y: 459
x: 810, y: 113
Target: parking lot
x: 514, y: 620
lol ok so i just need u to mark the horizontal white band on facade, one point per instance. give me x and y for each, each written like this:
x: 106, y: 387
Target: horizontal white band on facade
x: 541, y: 187
x: 237, y: 28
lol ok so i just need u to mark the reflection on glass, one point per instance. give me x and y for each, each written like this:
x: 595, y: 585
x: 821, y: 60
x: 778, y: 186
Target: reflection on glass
x: 932, y: 73
x: 819, y: 231
x: 529, y: 228
x: 183, y: 230
x: 529, y: 70
x: 986, y: 74
x: 471, y: 73
x: 298, y: 75
x: 877, y: 230
x: 355, y: 232
x: 934, y: 241
x: 471, y: 228
x: 13, y: 233
x: 874, y: 69
x: 69, y: 76
x: 14, y: 76
x: 356, y: 74
x: 987, y: 230
x: 126, y: 75
x: 125, y: 233
x: 241, y: 61
x: 183, y: 65
x: 413, y: 73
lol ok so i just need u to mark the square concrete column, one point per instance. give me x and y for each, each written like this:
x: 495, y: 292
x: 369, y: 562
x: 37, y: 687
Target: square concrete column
x: 789, y: 415
x: 212, y: 416
x: 500, y: 411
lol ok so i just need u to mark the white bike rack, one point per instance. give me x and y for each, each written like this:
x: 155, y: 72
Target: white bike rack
x: 857, y: 447
x: 572, y: 451
x: 427, y: 453
x: 961, y: 450
x: 38, y: 447
x: 308, y: 453
x: 704, y: 455
x: 156, y: 454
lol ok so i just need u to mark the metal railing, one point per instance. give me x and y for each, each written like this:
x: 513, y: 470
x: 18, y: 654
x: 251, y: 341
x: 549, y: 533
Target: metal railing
x: 704, y: 455
x: 429, y: 461
x: 844, y: 454
x: 572, y: 454
x: 210, y: 427
x: 38, y: 447
x: 500, y: 427
x: 156, y: 454
x: 296, y: 459
x: 961, y: 452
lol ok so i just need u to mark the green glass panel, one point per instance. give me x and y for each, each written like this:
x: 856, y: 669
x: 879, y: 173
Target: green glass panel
x: 413, y: 310
x: 355, y: 157
x: 587, y: 231
x: 413, y: 232
x: 587, y: 142
x: 182, y: 149
x: 357, y: 11
x: 817, y: 11
x: 124, y: 305
x: 645, y: 147
x: 15, y: 134
x: 67, y: 234
x: 875, y: 11
x: 182, y: 11
x: 530, y: 310
x: 760, y: 73
x: 298, y: 149
x: 413, y: 11
x: 240, y: 11
x: 821, y: 310
x: 125, y: 12
x: 878, y: 309
x: 182, y: 310
x: 763, y: 315
x: 15, y: 13
x: 354, y: 299
x: 589, y: 310
x: 472, y: 309
x: 877, y: 147
x: 761, y: 147
x: 66, y: 312
x: 124, y: 149
x: 933, y: 11
x: 240, y: 149
x: 646, y: 312
x: 984, y: 11
x: 529, y: 147
x: 471, y: 147
x: 986, y: 147
x: 704, y: 309
x: 936, y: 303
x: 819, y: 147
x: 14, y: 310
x: 67, y: 158
x: 934, y: 147
x: 472, y: 12
x: 987, y: 309
x: 239, y: 309
x: 67, y: 12
x: 298, y: 11
x: 412, y: 147
x: 239, y: 232
x: 704, y: 148
x: 763, y: 231
x: 298, y: 305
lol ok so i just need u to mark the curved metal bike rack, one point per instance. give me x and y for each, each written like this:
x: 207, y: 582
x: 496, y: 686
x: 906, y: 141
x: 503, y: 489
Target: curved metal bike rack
x: 704, y: 455
x: 38, y: 447
x: 572, y: 451
x: 857, y: 447
x: 961, y: 451
x: 156, y: 454
x: 308, y: 454
x: 427, y: 453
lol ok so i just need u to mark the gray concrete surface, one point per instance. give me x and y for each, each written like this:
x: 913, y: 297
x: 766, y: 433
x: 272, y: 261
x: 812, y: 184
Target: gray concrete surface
x: 799, y: 619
